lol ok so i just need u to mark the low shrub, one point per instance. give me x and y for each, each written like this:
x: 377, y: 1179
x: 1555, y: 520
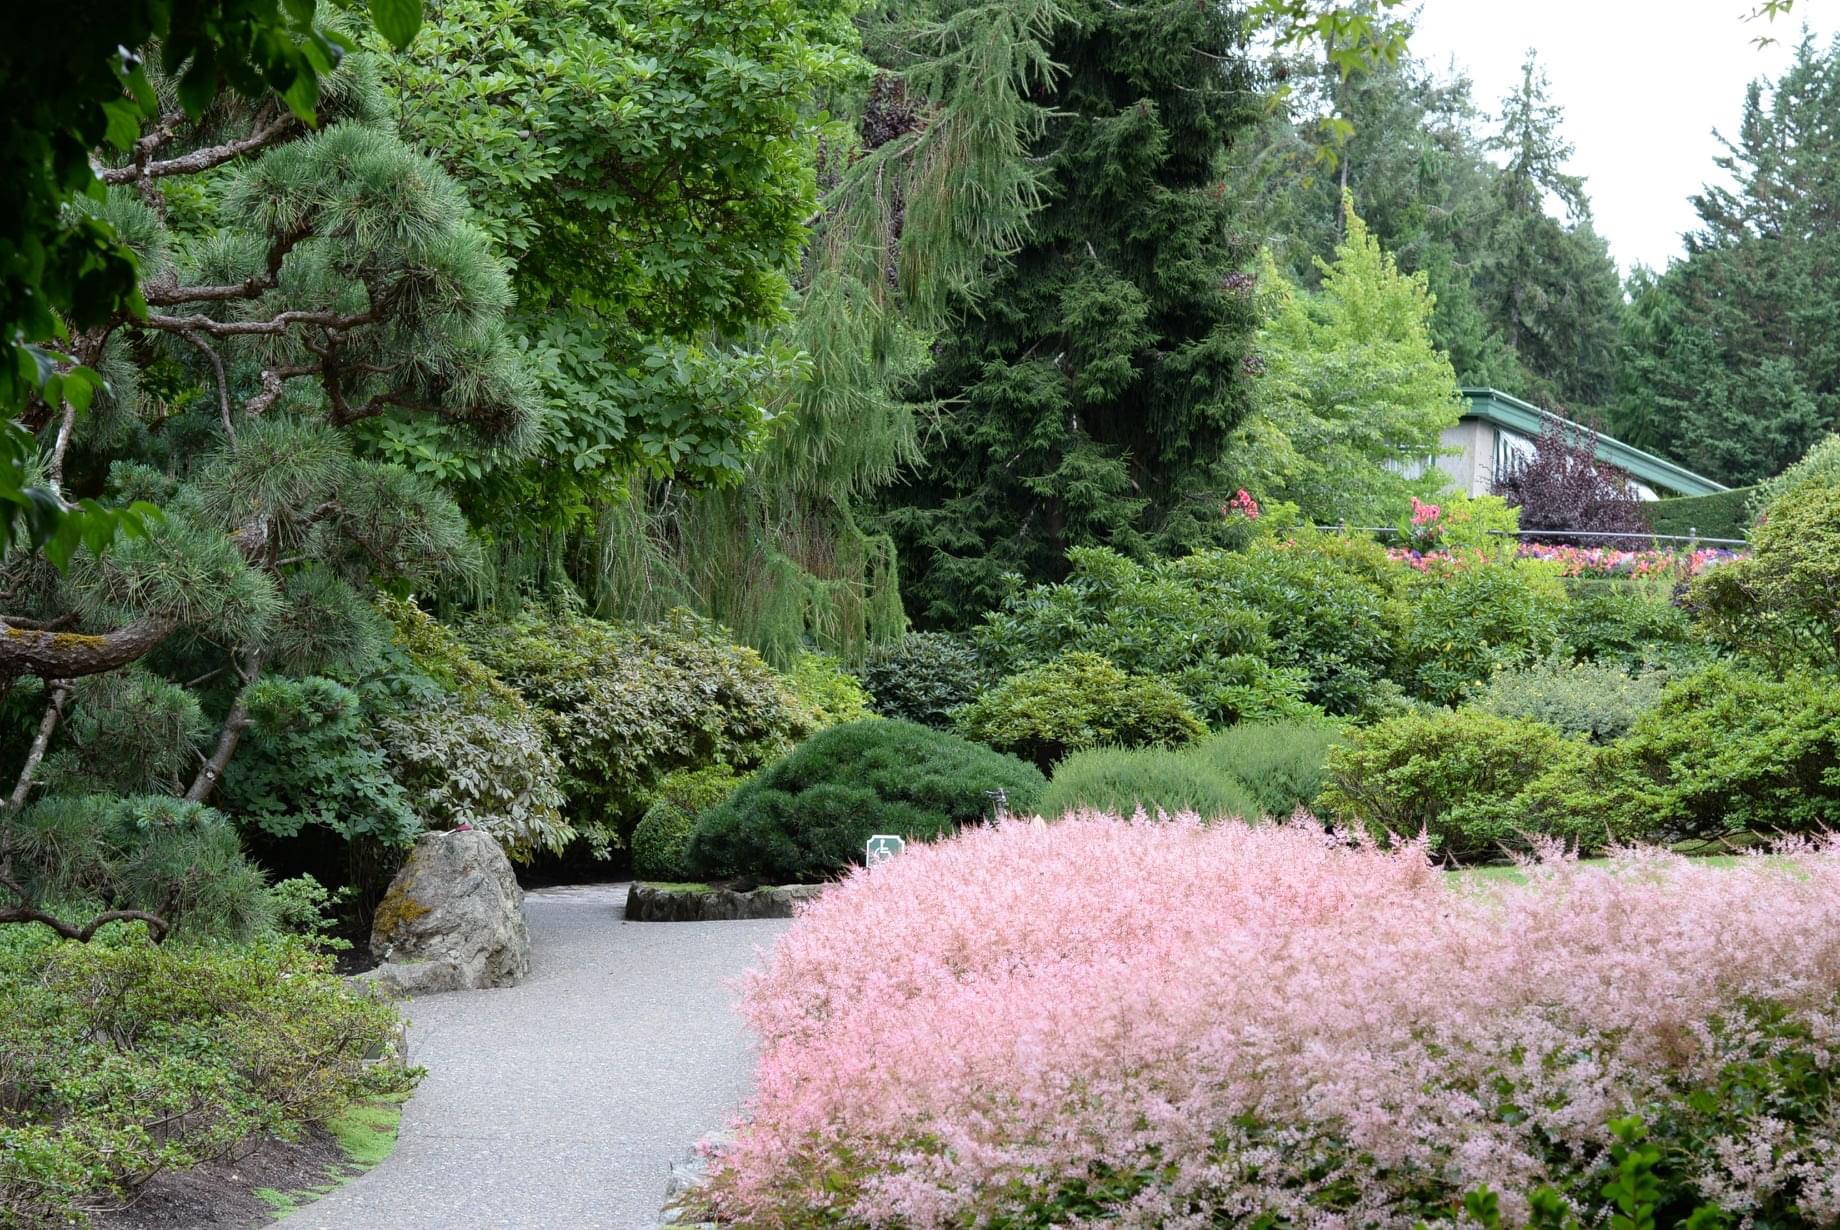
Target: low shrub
x: 1281, y: 765
x: 1725, y: 752
x: 1451, y: 774
x: 809, y: 815
x: 1157, y: 1024
x: 661, y: 841
x: 823, y: 694
x: 120, y: 1059
x: 1596, y: 701
x: 1077, y: 702
x: 923, y: 677
x: 1121, y: 780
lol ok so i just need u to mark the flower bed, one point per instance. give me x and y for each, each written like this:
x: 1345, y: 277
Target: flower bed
x: 1581, y: 561
x: 1176, y: 1025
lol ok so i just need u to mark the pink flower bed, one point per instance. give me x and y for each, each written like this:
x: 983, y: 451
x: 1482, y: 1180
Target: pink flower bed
x: 1171, y: 1025
x: 1580, y: 561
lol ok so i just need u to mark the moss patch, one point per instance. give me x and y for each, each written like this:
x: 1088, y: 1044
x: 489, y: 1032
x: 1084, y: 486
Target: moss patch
x: 670, y: 887
x: 397, y: 911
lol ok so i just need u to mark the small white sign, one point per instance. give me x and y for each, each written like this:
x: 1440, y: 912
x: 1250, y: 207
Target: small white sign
x: 884, y: 846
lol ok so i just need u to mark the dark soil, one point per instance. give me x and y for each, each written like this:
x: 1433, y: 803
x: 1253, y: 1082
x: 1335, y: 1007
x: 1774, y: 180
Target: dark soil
x: 223, y: 1193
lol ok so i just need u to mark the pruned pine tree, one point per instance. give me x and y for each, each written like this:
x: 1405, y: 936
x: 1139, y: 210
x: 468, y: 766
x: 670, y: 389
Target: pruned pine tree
x: 304, y: 288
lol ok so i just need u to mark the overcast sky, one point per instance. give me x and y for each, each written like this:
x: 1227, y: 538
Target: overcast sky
x: 1643, y: 84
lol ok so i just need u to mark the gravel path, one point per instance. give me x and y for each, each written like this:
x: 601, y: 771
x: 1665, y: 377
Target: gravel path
x: 559, y: 1104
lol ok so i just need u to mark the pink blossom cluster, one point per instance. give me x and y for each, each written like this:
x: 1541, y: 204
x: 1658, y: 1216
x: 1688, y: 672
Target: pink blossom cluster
x: 1423, y: 513
x: 1243, y: 504
x: 1605, y: 561
x: 1256, y: 1018
x: 1578, y: 561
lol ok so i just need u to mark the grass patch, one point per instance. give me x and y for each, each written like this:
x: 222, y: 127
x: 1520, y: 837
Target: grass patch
x: 365, y: 1134
x: 1510, y: 874
x: 670, y: 887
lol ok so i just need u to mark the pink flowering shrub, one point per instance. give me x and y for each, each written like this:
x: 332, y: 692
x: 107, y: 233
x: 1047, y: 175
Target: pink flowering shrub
x: 1171, y: 1025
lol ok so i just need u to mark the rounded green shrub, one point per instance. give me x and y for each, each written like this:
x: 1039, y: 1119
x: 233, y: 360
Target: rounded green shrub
x: 1076, y: 702
x: 1596, y: 701
x: 808, y: 816
x: 1453, y: 774
x: 661, y: 842
x: 1120, y: 780
x: 1280, y: 766
x: 923, y: 677
x: 1725, y: 753
x: 1469, y: 622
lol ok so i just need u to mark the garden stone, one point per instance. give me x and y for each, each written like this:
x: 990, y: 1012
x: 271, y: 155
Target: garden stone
x: 655, y: 903
x: 452, y: 920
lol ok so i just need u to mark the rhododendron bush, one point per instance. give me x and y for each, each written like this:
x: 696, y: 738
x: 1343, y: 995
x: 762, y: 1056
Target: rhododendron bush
x: 1166, y: 1024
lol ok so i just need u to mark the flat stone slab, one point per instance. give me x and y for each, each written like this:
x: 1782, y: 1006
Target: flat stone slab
x: 701, y: 903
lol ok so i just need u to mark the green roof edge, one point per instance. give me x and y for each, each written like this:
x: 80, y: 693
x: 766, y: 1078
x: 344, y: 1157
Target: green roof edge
x: 1507, y: 410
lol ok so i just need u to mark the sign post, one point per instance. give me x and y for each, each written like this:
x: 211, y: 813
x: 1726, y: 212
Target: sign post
x: 882, y: 847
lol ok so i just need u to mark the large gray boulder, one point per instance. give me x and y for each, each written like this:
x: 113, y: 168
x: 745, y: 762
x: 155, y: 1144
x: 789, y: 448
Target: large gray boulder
x: 453, y: 919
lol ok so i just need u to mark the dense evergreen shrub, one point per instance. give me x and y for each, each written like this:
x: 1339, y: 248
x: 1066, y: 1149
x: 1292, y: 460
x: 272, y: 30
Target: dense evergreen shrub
x: 1632, y: 623
x: 626, y: 704
x: 1723, y: 514
x: 1280, y: 765
x: 1121, y: 780
x: 1725, y: 752
x: 1784, y: 602
x: 1597, y: 701
x: 122, y: 1059
x: 661, y: 841
x: 155, y: 853
x: 810, y: 814
x: 1076, y: 702
x: 1469, y: 621
x: 1453, y: 775
x: 923, y: 677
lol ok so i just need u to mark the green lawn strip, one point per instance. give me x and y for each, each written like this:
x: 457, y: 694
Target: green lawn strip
x: 365, y: 1133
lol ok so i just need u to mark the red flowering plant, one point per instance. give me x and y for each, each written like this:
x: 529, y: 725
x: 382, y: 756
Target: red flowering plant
x: 1424, y: 529
x: 1242, y: 504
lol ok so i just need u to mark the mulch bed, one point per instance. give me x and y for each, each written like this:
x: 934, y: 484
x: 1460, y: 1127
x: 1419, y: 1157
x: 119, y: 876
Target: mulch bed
x: 222, y: 1193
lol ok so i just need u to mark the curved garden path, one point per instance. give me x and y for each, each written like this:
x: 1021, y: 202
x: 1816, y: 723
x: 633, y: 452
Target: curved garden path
x: 560, y: 1103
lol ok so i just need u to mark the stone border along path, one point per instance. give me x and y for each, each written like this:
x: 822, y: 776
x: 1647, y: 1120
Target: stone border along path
x: 561, y: 1103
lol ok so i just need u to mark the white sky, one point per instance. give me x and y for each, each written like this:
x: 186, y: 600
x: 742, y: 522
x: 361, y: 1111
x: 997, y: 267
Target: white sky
x: 1643, y: 84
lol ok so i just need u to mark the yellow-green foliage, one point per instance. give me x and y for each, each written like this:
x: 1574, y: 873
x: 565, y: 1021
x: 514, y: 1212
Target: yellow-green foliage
x: 1078, y: 701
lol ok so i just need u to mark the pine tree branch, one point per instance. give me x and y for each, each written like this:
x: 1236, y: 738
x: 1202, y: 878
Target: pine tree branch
x: 71, y: 655
x: 84, y: 934
x: 275, y: 325
x: 283, y: 128
x: 168, y: 293
x: 60, y: 692
x: 223, y: 387
x: 235, y: 723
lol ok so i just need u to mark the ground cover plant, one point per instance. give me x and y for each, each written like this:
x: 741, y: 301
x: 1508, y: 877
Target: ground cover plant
x: 1154, y: 1024
x: 808, y: 815
x: 1248, y: 771
x: 121, y: 1059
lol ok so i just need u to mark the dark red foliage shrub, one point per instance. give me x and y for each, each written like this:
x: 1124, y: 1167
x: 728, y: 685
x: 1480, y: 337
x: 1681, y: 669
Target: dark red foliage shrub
x: 1563, y: 486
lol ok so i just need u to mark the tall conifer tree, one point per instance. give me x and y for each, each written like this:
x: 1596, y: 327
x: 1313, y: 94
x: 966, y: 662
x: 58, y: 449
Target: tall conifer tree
x: 1088, y: 391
